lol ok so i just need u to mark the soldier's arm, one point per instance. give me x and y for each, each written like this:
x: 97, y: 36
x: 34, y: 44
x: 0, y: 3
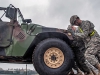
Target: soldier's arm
x: 75, y: 38
x: 69, y: 29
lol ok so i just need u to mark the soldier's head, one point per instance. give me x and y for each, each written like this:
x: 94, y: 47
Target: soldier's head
x: 75, y: 20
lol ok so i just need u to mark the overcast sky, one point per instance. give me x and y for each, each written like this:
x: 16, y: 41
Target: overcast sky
x: 56, y: 13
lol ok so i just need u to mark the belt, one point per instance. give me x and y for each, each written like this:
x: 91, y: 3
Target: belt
x: 93, y: 32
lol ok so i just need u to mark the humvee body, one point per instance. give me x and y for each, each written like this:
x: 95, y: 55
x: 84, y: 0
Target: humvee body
x: 21, y: 41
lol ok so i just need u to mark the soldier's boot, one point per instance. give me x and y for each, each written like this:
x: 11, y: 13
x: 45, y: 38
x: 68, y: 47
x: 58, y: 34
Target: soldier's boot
x: 90, y: 73
x: 98, y: 73
x: 93, y: 72
x: 71, y: 72
x: 79, y: 72
x: 98, y: 67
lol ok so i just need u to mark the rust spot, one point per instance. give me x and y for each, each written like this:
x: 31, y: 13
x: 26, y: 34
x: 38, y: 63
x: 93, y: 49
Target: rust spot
x: 18, y: 33
x: 68, y: 34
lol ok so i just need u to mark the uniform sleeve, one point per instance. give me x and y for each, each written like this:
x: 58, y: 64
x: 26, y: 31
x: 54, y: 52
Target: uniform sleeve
x: 70, y: 29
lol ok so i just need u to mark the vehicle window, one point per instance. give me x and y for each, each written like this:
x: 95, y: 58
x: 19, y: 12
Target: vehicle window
x: 2, y: 17
x: 19, y: 19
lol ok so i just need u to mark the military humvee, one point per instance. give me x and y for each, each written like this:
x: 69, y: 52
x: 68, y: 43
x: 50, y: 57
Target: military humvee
x: 21, y: 41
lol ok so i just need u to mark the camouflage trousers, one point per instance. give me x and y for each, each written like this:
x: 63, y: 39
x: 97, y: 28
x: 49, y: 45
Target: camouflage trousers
x: 92, y: 53
x: 80, y: 61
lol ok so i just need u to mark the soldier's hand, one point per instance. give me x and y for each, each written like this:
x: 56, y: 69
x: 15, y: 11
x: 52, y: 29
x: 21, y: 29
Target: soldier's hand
x: 73, y: 28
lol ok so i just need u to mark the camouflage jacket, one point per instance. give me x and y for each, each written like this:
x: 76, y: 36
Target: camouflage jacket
x: 90, y: 34
x: 77, y: 41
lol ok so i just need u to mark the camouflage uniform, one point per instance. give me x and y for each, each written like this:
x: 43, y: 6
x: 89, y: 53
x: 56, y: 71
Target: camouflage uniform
x: 79, y: 50
x: 92, y: 42
x: 98, y: 56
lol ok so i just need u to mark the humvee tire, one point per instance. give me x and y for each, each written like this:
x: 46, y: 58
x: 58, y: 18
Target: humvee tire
x: 52, y: 56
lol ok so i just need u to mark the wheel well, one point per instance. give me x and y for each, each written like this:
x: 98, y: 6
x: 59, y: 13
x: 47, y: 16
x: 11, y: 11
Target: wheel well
x: 42, y: 36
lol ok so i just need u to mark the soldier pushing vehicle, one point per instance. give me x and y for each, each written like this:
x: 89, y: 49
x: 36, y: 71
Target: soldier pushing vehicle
x: 91, y: 39
x: 21, y: 41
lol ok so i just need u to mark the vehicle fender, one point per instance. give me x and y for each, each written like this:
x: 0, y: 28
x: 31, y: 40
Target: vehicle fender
x: 41, y: 36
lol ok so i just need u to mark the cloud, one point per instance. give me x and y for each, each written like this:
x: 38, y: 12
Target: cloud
x: 57, y: 13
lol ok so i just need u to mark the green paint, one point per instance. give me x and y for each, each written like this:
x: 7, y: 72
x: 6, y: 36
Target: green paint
x: 18, y: 48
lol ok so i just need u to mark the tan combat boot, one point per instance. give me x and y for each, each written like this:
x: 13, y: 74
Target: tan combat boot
x: 98, y: 73
x: 79, y: 72
x: 91, y: 73
x: 71, y: 72
x: 98, y: 67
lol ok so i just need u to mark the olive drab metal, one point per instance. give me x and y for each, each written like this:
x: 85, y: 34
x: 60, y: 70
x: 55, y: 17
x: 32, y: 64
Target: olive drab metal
x: 20, y: 40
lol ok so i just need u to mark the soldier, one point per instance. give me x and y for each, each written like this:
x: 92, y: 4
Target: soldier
x: 91, y: 39
x: 79, y: 49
